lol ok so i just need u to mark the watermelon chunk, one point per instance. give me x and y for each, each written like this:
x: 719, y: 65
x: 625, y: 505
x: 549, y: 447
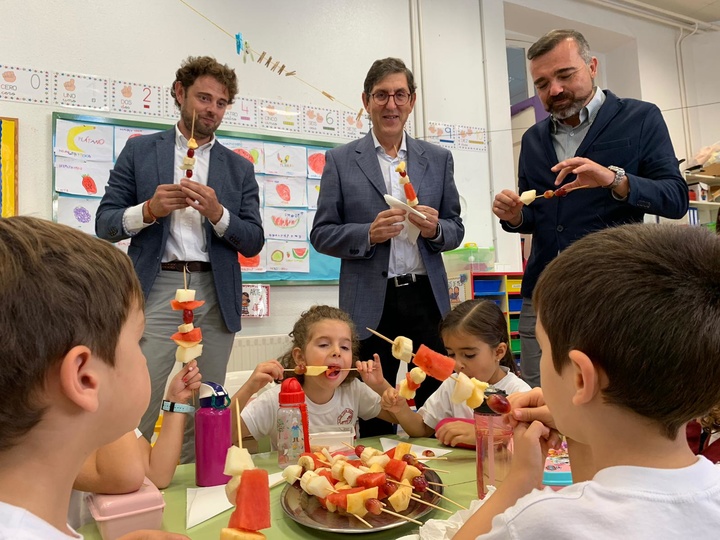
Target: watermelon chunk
x: 391, y: 452
x: 409, y: 192
x: 339, y: 499
x: 412, y: 385
x: 395, y: 468
x: 369, y: 480
x: 252, y: 510
x: 194, y: 335
x: 179, y: 306
x: 433, y: 363
x: 327, y: 474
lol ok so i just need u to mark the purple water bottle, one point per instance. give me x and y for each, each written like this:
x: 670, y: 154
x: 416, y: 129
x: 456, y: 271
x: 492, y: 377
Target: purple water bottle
x: 213, y: 435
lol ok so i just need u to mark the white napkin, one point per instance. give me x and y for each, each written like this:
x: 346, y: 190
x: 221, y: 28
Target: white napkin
x: 207, y: 502
x: 204, y: 503
x: 412, y: 230
x: 387, y: 444
x: 445, y: 529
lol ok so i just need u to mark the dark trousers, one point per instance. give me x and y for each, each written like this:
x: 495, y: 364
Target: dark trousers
x: 410, y: 311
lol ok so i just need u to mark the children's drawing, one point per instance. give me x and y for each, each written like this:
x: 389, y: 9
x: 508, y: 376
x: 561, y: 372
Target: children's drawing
x: 285, y: 160
x: 288, y: 256
x: 285, y: 191
x: 315, y: 162
x: 281, y: 224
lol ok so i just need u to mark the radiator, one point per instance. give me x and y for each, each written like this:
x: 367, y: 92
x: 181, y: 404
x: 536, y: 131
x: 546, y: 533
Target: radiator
x: 248, y: 351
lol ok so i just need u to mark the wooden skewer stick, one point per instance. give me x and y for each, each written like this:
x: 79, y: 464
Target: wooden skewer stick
x: 239, y: 422
x: 430, y: 457
x: 328, y: 369
x: 378, y: 334
x: 192, y: 128
x: 437, y: 484
x: 349, y: 445
x: 362, y: 520
x: 419, y: 499
x: 406, y: 518
x: 444, y: 497
x: 438, y: 470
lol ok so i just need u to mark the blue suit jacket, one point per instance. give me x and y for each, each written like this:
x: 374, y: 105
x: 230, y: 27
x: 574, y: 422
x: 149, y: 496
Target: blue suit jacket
x: 148, y: 161
x: 351, y: 196
x: 627, y: 133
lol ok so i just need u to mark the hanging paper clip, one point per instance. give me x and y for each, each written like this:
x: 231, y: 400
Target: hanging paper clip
x: 239, y: 43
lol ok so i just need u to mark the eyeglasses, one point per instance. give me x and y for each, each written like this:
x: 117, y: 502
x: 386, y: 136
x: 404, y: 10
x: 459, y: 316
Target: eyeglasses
x: 381, y: 98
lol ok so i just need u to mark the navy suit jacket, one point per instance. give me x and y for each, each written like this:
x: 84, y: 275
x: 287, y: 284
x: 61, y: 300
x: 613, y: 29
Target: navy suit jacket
x: 351, y: 196
x: 627, y: 133
x: 147, y: 162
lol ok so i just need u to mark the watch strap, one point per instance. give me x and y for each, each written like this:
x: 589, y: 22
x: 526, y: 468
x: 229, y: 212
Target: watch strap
x: 619, y: 175
x: 170, y: 406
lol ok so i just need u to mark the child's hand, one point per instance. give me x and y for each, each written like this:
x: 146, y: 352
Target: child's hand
x: 530, y: 451
x: 371, y: 372
x: 265, y: 373
x: 454, y: 433
x: 183, y: 383
x: 391, y: 401
x: 527, y: 407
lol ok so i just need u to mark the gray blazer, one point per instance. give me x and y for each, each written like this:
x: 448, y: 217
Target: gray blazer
x: 351, y: 196
x: 148, y: 161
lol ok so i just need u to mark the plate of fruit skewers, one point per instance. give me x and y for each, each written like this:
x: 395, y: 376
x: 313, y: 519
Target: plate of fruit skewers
x: 362, y: 492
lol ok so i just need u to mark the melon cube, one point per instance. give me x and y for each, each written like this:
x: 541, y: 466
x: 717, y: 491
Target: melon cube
x: 184, y: 295
x: 185, y: 354
x: 231, y: 489
x: 237, y: 460
x: 184, y: 328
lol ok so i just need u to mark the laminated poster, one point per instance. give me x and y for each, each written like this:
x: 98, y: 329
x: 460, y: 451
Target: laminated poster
x: 279, y: 115
x: 288, y: 256
x: 242, y: 113
x: 321, y: 121
x: 255, y: 300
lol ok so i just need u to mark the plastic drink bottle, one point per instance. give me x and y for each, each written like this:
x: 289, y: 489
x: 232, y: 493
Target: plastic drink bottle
x: 293, y: 434
x: 213, y: 435
x: 493, y: 446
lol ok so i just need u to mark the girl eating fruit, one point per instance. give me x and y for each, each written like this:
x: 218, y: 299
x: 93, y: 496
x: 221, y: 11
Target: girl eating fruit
x: 475, y: 335
x: 323, y: 352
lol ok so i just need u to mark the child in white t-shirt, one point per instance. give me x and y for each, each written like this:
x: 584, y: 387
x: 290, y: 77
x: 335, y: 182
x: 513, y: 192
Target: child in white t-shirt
x: 475, y: 335
x: 323, y: 336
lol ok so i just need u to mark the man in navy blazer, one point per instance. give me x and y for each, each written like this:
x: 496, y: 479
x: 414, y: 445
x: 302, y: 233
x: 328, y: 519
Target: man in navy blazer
x: 388, y: 281
x: 186, y: 226
x: 595, y: 140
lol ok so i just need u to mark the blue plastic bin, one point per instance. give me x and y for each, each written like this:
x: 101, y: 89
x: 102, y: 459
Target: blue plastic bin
x: 515, y: 305
x: 487, y: 285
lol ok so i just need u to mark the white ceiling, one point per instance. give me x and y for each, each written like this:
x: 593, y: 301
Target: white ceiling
x: 702, y: 10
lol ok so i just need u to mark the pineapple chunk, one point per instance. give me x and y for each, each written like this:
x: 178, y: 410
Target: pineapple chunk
x: 231, y: 489
x: 463, y: 389
x: 237, y: 460
x: 400, y: 500
x: 376, y: 467
x: 182, y: 328
x: 402, y: 349
x: 380, y: 460
x: 410, y: 472
x: 185, y: 354
x: 401, y: 449
x: 404, y: 391
x: 237, y: 534
x: 356, y: 501
x: 185, y: 295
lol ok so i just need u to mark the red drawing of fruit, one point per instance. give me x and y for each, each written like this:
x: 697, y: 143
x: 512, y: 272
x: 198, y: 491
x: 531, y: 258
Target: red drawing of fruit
x: 249, y: 262
x: 9, y: 76
x: 69, y: 85
x: 126, y: 91
x: 285, y: 222
x: 317, y: 162
x: 134, y: 135
x: 283, y: 191
x: 244, y: 153
x: 89, y: 184
x: 300, y: 253
x: 310, y: 114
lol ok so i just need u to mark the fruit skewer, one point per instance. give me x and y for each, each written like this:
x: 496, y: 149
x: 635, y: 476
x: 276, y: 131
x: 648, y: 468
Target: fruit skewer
x: 529, y: 196
x: 312, y: 371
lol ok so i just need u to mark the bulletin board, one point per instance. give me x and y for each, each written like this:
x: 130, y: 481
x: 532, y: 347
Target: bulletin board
x: 287, y: 171
x: 8, y: 166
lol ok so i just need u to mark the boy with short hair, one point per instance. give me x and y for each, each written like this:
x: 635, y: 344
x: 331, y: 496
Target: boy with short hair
x: 627, y: 322
x: 71, y: 369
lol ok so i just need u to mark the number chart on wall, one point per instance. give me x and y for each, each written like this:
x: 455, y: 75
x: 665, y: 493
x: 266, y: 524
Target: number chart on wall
x: 287, y: 171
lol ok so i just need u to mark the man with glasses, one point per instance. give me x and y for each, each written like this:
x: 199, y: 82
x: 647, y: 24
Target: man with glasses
x: 592, y: 139
x: 388, y: 281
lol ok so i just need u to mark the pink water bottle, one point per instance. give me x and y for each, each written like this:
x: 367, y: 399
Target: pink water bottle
x: 213, y: 435
x: 293, y: 435
x: 493, y: 446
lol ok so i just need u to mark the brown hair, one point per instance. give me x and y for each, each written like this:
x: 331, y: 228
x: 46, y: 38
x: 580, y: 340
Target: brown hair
x: 302, y: 333
x: 197, y: 66
x: 59, y: 288
x: 382, y: 68
x: 553, y: 38
x: 483, y: 319
x: 642, y: 302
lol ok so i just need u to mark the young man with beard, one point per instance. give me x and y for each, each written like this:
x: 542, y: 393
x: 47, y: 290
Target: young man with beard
x: 592, y: 139
x: 186, y: 225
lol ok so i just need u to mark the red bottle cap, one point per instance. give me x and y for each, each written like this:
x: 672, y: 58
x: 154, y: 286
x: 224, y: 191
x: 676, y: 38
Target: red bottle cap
x: 291, y: 392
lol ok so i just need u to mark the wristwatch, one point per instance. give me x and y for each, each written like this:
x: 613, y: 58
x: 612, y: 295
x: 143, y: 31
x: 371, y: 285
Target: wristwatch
x: 170, y: 406
x: 619, y: 175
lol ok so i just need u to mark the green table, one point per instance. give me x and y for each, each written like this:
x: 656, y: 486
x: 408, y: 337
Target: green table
x: 460, y: 481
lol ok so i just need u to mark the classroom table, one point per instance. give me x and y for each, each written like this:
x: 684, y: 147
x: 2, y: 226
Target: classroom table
x: 460, y: 481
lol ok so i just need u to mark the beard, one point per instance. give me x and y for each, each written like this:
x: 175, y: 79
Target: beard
x: 572, y: 107
x: 201, y: 130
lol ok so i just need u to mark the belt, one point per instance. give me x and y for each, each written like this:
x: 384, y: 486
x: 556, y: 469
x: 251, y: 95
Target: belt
x: 190, y: 266
x: 406, y: 279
